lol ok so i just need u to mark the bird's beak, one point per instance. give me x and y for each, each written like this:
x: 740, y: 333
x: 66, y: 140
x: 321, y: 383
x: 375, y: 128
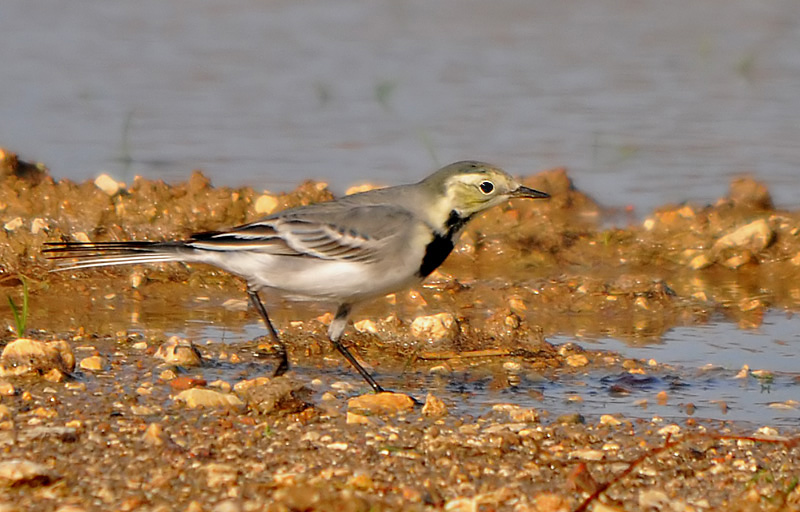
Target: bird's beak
x: 529, y: 192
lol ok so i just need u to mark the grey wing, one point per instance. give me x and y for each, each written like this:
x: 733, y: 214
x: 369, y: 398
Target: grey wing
x: 331, y: 231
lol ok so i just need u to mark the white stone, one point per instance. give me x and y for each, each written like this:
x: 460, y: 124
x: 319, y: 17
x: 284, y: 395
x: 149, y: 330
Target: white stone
x: 39, y: 224
x: 266, y: 204
x: 13, y: 224
x: 439, y: 327
x: 108, y: 184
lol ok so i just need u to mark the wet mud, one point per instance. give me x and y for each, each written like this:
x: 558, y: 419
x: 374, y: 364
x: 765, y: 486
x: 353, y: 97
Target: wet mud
x: 96, y: 414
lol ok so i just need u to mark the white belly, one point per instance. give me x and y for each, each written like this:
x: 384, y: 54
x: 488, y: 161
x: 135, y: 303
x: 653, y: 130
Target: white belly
x: 314, y: 279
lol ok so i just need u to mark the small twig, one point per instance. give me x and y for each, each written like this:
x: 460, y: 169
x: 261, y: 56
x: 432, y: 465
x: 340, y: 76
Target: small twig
x: 437, y: 356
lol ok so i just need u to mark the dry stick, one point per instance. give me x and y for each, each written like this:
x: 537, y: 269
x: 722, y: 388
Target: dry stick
x: 789, y: 443
x: 489, y: 352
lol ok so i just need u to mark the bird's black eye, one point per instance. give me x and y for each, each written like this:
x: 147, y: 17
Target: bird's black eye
x: 486, y: 187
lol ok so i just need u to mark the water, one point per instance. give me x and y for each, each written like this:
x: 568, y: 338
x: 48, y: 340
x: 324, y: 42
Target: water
x: 645, y: 103
x: 708, y: 360
x: 700, y: 366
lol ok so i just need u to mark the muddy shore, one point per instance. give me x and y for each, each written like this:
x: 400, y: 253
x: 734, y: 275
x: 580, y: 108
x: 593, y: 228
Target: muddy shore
x: 115, y: 418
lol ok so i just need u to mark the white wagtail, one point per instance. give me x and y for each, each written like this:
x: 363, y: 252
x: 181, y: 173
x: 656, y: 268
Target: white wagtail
x: 346, y: 251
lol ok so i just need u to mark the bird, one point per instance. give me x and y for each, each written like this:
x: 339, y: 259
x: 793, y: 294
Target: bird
x: 346, y: 251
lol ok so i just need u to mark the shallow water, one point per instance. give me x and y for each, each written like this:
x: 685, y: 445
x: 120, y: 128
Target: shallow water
x: 707, y: 360
x: 702, y: 364
x: 644, y: 102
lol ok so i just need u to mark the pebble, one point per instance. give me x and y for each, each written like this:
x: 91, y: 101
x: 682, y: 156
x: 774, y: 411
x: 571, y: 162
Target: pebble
x: 38, y: 224
x: 14, y: 472
x: 577, y: 360
x: 221, y: 385
x: 24, y: 355
x: 244, y: 385
x: 462, y: 504
x: 700, y: 261
x: 70, y: 508
x: 283, y: 394
x: 198, y: 397
x: 366, y: 326
x: 551, y: 502
x: 42, y: 412
x: 435, y: 328
x: 218, y: 474
x: 434, y: 407
x: 571, y: 419
x: 228, y: 506
x: 138, y: 278
x: 362, y: 481
x: 440, y: 370
x: 748, y: 192
x: 154, y: 434
x: 753, y: 237
x: 80, y: 236
x: 517, y: 413
x: 381, y: 403
x: 145, y: 410
x: 607, y: 419
x: 5, y: 412
x: 167, y: 375
x: 194, y: 506
x: 108, y: 184
x: 358, y: 419
x: 767, y: 431
x: 13, y: 224
x: 184, y: 382
x: 654, y: 499
x: 587, y: 454
x: 672, y: 430
x: 93, y: 363
x: 517, y: 305
x: 266, y: 204
x: 74, y: 424
x: 179, y: 352
x: 6, y: 388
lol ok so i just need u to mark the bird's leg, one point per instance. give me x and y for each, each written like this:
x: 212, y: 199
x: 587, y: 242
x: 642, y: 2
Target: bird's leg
x: 335, y: 332
x: 277, y: 344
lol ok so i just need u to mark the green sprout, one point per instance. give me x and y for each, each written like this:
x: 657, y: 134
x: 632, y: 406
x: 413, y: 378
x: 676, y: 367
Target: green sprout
x: 20, y: 317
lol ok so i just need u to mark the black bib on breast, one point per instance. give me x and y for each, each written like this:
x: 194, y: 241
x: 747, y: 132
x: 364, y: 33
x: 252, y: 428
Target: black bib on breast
x: 440, y: 247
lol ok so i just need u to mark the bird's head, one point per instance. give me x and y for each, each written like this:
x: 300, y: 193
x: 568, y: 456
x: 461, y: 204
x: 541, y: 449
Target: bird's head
x: 470, y: 187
